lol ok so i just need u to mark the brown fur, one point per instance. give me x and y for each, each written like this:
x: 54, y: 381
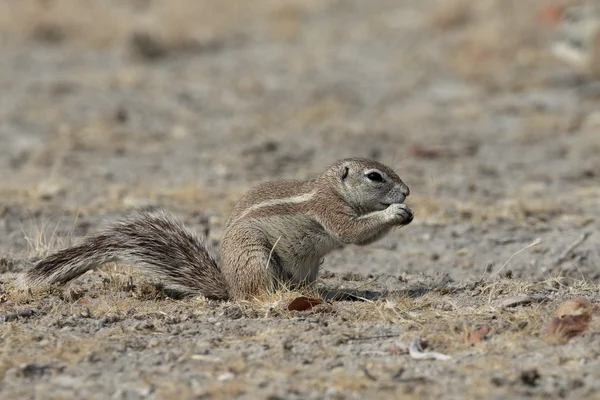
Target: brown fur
x: 278, y: 232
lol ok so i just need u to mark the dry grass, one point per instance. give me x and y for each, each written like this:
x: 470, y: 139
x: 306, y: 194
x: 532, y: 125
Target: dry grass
x: 123, y: 290
x: 44, y: 237
x: 137, y: 315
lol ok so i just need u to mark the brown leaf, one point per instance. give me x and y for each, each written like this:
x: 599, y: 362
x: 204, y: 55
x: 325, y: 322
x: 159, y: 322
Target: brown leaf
x: 428, y: 152
x: 572, y: 318
x: 575, y: 306
x: 551, y: 14
x: 560, y: 330
x: 478, y: 334
x: 303, y: 303
x: 396, y: 350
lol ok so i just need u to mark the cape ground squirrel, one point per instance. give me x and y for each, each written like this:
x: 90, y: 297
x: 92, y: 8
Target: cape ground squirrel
x: 277, y: 233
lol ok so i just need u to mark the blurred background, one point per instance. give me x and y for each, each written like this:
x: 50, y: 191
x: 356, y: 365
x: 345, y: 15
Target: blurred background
x: 488, y: 109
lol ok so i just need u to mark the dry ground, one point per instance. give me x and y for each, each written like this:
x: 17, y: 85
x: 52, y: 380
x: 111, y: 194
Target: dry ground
x: 112, y: 105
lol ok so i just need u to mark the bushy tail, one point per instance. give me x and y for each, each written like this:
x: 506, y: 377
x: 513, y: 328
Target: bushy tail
x: 155, y: 242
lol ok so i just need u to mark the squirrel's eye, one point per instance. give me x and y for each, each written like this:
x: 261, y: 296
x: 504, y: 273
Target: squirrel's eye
x: 375, y: 176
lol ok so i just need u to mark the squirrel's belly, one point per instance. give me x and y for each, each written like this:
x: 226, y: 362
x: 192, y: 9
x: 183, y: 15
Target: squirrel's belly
x: 300, y: 245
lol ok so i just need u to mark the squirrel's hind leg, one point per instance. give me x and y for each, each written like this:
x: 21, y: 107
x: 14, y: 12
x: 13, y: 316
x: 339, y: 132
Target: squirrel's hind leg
x: 249, y: 265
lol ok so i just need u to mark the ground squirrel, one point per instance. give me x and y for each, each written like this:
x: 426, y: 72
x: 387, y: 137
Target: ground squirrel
x: 277, y: 233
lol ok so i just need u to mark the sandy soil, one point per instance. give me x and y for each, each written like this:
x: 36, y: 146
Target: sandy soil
x: 127, y: 104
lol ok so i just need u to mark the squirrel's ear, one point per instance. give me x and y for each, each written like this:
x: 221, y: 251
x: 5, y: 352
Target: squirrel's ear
x: 345, y: 172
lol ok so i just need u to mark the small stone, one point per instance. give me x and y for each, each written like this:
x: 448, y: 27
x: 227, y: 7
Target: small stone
x: 530, y: 377
x: 227, y: 376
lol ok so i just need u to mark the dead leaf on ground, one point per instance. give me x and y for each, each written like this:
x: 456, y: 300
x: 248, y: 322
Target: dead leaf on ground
x: 430, y: 152
x: 303, y: 303
x: 550, y: 14
x: 561, y: 330
x: 84, y: 302
x: 575, y: 306
x: 396, y: 350
x: 573, y: 317
x: 478, y: 334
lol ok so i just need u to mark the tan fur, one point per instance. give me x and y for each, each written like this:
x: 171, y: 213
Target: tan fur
x: 278, y: 232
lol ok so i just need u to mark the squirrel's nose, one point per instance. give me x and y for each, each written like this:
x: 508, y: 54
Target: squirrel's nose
x: 404, y: 190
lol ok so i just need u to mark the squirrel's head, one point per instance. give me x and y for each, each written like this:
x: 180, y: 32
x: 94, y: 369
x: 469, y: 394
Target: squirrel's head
x: 367, y: 185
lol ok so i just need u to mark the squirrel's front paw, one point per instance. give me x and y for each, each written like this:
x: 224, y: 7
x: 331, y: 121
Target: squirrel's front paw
x: 400, y: 214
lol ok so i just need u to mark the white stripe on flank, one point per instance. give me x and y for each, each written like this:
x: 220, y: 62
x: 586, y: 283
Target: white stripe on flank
x: 277, y: 202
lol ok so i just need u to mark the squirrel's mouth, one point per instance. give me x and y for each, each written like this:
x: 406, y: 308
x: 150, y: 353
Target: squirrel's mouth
x: 394, y: 199
x: 386, y: 204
